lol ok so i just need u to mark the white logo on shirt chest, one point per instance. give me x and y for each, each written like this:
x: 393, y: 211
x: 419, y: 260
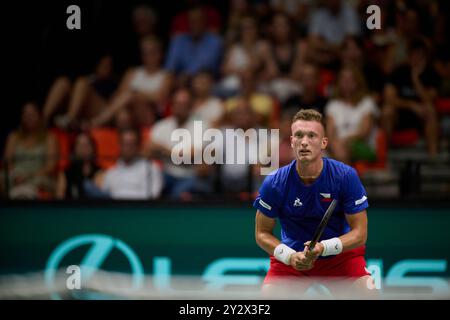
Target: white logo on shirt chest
x: 297, y: 203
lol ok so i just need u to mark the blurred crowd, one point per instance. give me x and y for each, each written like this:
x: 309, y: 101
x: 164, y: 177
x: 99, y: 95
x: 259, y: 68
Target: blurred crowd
x: 107, y: 135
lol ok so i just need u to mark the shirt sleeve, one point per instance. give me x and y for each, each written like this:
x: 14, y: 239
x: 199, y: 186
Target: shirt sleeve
x: 353, y: 194
x: 268, y: 200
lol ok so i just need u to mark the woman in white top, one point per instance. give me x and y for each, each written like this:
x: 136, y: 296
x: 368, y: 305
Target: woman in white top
x: 351, y: 118
x: 145, y: 88
x: 206, y: 107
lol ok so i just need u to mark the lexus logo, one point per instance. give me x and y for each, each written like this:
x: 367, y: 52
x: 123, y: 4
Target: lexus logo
x: 101, y: 246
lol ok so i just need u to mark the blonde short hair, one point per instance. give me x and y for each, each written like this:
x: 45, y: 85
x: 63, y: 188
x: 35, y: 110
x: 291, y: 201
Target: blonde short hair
x: 309, y: 115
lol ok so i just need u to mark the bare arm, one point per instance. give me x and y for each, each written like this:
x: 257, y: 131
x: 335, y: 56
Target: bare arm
x: 98, y: 179
x: 156, y: 150
x: 268, y: 242
x: 270, y: 69
x: 227, y: 67
x: 425, y: 94
x: 364, y: 130
x: 119, y: 100
x: 61, y: 186
x: 126, y: 81
x: 357, y: 236
x: 336, y: 144
x: 391, y: 97
x: 331, y: 129
x: 264, y: 233
x: 9, y: 149
x: 319, y: 51
x: 300, y: 57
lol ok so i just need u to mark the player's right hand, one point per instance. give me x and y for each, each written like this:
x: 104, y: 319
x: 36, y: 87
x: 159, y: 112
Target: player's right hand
x: 299, y: 261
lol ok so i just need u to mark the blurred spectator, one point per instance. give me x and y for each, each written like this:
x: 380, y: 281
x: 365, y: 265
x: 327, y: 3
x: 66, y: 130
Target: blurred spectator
x: 82, y: 170
x: 145, y: 21
x: 352, y: 54
x: 180, y: 180
x: 181, y: 22
x: 351, y: 119
x: 261, y: 104
x: 298, y: 10
x: 239, y: 10
x: 243, y: 54
x: 143, y: 89
x: 197, y: 50
x: 379, y: 43
x: 442, y: 67
x: 145, y: 25
x: 281, y: 55
x: 206, y: 107
x: 289, y: 7
x: 133, y: 177
x: 310, y: 97
x: 87, y: 97
x: 407, y: 28
x: 409, y: 97
x: 440, y: 29
x: 328, y: 27
x: 263, y: 13
x: 286, y: 152
x: 242, y: 176
x: 31, y: 154
x: 442, y: 53
x: 124, y: 120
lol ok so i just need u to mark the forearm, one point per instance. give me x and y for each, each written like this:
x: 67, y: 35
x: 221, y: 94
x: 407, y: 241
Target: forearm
x: 421, y: 91
x: 151, y: 96
x: 353, y: 239
x: 105, y: 116
x: 117, y: 104
x: 361, y: 134
x: 403, y: 103
x: 159, y: 151
x: 267, y: 242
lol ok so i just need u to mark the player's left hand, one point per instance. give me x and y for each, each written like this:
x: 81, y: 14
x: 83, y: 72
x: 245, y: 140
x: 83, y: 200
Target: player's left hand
x: 315, y: 253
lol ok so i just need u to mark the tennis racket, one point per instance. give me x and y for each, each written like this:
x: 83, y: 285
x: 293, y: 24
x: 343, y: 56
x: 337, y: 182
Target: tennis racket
x: 322, y: 225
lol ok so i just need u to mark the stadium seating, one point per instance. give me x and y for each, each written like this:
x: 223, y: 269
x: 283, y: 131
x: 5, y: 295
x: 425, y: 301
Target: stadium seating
x: 107, y: 141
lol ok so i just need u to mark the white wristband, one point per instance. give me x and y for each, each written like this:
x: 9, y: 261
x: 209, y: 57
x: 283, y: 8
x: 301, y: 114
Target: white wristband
x: 331, y: 246
x: 283, y: 253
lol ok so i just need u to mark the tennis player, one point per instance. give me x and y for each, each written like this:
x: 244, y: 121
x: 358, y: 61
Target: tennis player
x: 298, y: 195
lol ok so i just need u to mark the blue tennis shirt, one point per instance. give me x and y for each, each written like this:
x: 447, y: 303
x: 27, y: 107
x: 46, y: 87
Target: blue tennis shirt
x: 300, y: 207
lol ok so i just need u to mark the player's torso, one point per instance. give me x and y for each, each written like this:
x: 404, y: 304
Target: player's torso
x: 308, y: 203
x: 302, y: 203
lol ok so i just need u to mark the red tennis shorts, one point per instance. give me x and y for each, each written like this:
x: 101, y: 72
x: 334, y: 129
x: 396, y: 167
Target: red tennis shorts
x: 350, y: 264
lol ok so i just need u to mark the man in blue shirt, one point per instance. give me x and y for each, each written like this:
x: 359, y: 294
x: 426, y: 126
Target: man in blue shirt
x: 298, y: 195
x: 196, y: 51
